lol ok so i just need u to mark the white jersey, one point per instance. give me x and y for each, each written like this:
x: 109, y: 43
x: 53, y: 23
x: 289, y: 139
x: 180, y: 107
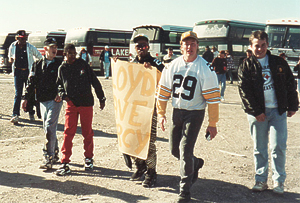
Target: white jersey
x: 192, y: 85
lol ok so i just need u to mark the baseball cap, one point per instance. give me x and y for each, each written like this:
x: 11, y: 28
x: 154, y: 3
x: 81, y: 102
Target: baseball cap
x: 106, y: 47
x: 140, y: 36
x: 21, y: 33
x: 50, y: 42
x: 189, y: 34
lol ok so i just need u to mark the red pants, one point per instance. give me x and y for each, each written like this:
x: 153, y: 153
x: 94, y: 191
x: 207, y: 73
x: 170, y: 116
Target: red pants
x: 71, y: 121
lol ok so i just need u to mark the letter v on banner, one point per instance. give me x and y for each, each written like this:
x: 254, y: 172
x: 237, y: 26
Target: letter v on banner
x: 134, y: 99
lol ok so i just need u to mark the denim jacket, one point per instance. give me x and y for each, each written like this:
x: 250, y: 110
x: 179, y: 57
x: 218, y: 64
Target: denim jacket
x: 31, y: 51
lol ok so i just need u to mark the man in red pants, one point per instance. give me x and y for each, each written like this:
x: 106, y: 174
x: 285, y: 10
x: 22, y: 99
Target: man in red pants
x: 75, y: 78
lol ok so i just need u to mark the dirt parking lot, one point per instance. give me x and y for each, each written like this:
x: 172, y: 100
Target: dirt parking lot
x: 227, y: 175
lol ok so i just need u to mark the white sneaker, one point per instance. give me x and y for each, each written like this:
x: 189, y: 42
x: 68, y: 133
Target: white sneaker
x: 31, y: 117
x: 260, y: 186
x: 278, y: 188
x: 222, y: 99
x: 15, y: 119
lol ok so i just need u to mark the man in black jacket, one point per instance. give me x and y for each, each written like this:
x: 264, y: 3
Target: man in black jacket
x: 269, y: 96
x: 208, y: 55
x: 75, y: 78
x: 42, y: 82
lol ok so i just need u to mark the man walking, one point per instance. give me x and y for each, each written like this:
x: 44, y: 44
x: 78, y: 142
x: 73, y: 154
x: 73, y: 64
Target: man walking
x: 220, y: 67
x: 20, y: 54
x: 105, y: 59
x: 192, y: 85
x: 42, y: 82
x: 269, y: 96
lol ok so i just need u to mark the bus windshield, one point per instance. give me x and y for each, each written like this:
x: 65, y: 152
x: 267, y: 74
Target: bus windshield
x: 76, y: 37
x: 151, y: 32
x: 276, y: 35
x: 37, y: 41
x: 211, y: 30
x: 293, y: 38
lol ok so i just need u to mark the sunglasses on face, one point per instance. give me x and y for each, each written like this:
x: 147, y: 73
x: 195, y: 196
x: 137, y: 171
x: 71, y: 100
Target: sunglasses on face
x: 141, y: 46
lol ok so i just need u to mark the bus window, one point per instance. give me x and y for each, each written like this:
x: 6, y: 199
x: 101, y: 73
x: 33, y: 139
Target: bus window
x: 173, y: 36
x: 236, y: 32
x: 117, y: 39
x: 102, y: 38
x: 127, y: 39
x: 237, y: 48
x: 247, y: 33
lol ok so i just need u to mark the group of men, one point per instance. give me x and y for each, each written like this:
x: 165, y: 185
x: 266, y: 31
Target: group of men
x: 50, y: 81
x: 266, y: 87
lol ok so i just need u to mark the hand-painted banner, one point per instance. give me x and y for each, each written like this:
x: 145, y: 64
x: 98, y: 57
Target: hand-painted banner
x: 134, y: 100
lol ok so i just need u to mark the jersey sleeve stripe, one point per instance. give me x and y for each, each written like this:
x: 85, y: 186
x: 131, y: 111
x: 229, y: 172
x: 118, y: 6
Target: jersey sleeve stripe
x: 163, y: 93
x: 212, y: 96
x: 210, y: 90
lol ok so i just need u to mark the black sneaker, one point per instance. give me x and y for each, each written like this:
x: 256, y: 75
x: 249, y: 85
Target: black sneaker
x: 63, y: 170
x: 150, y: 178
x: 138, y: 173
x: 47, y: 164
x: 197, y: 168
x: 88, y: 165
x: 184, y: 197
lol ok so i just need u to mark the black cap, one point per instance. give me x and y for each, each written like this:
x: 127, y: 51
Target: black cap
x: 21, y: 33
x: 140, y: 36
x: 50, y: 42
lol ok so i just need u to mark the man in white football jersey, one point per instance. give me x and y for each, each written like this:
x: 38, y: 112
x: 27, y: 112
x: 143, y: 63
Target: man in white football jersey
x: 192, y: 84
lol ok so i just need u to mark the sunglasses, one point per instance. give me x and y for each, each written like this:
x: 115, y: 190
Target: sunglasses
x: 141, y: 46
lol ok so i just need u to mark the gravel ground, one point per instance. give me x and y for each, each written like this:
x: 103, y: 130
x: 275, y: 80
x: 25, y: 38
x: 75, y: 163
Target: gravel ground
x: 227, y: 175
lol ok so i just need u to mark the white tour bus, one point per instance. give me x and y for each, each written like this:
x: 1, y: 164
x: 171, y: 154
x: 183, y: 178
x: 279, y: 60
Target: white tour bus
x: 284, y: 37
x: 161, y: 38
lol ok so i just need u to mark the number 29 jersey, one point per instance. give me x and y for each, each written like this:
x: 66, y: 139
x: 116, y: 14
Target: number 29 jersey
x: 191, y: 85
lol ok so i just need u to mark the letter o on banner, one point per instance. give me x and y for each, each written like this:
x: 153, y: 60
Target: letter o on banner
x: 121, y: 72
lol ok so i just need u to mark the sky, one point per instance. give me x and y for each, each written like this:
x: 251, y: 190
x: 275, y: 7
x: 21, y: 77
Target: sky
x: 49, y: 15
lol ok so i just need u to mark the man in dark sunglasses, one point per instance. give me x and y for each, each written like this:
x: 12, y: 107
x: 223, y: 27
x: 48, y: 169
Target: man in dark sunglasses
x: 148, y: 166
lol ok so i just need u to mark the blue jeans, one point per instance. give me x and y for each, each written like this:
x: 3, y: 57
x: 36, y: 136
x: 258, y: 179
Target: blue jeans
x: 230, y: 75
x: 222, y: 80
x: 50, y: 113
x: 276, y: 126
x: 184, y: 133
x: 106, y: 68
x: 20, y: 79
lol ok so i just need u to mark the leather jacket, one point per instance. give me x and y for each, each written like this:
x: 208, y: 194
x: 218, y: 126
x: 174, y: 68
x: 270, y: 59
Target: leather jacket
x: 251, y: 84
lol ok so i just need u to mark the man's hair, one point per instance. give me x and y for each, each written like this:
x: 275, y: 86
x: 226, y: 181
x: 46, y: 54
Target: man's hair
x: 170, y: 49
x: 259, y: 34
x: 68, y: 46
